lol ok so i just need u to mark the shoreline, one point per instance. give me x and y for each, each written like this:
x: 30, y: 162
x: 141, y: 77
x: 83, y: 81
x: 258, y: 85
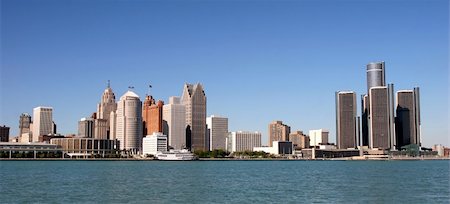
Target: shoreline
x: 228, y: 159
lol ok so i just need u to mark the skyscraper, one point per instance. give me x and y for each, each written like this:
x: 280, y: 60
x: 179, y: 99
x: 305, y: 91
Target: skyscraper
x: 174, y: 116
x: 408, y: 117
x: 106, y: 106
x: 381, y: 119
x: 217, y: 132
x: 129, y: 122
x: 194, y: 99
x: 152, y: 114
x: 43, y: 122
x: 365, y: 119
x: 346, y: 121
x: 25, y: 127
x: 278, y: 132
x: 375, y: 75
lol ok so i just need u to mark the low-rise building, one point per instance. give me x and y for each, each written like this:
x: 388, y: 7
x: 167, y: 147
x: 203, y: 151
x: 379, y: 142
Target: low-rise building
x: 87, y: 147
x: 277, y: 148
x: 299, y: 140
x: 154, y: 143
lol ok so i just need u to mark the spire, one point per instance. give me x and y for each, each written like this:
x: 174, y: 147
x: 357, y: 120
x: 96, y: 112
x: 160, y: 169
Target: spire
x: 109, y: 84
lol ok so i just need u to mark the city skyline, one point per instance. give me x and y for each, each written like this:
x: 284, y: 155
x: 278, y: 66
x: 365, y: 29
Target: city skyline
x: 237, y: 76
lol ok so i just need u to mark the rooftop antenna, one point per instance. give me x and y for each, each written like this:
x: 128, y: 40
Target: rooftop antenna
x: 109, y: 84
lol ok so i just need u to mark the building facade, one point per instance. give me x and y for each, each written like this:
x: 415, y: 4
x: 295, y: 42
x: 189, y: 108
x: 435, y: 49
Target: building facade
x: 129, y: 123
x: 317, y: 137
x: 154, y: 143
x: 278, y: 132
x: 347, y: 134
x: 86, y: 127
x: 4, y: 134
x: 86, y: 147
x: 174, y: 121
x: 381, y: 118
x: 217, y: 132
x: 194, y: 100
x: 408, y: 118
x: 43, y: 122
x: 25, y: 125
x: 105, y: 107
x: 243, y: 141
x: 101, y: 129
x: 152, y: 114
x: 299, y: 140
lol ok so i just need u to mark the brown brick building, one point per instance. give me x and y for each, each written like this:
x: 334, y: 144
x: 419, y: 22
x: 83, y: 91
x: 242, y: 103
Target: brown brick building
x: 152, y: 114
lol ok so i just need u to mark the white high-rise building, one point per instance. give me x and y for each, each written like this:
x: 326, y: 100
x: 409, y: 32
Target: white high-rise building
x: 217, y: 132
x: 174, y: 122
x: 43, y: 122
x: 317, y: 137
x: 129, y: 122
x: 154, y: 143
x: 243, y: 141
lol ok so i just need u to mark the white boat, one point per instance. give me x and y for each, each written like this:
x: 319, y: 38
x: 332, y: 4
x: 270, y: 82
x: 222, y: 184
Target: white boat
x: 176, y: 155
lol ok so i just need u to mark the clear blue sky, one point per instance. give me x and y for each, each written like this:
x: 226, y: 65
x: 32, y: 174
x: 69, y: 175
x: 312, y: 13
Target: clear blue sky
x: 258, y: 60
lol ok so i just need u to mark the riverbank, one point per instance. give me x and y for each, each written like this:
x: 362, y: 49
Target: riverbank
x: 231, y: 159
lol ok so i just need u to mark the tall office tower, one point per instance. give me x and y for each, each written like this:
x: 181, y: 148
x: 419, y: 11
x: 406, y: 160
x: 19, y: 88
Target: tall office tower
x: 152, y: 114
x: 194, y: 99
x: 381, y: 121
x: 243, y: 141
x: 86, y: 127
x: 408, y: 118
x: 375, y: 75
x: 278, y: 132
x: 174, y: 117
x: 317, y: 137
x: 4, y: 134
x: 346, y: 121
x: 101, y: 128
x: 106, y: 106
x: 43, y: 122
x: 129, y: 122
x: 217, y: 131
x: 24, y: 127
x: 365, y: 119
x: 299, y: 140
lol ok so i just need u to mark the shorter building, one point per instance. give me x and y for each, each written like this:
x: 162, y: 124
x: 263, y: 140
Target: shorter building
x: 46, y: 138
x: 87, y: 147
x: 299, y: 140
x: 4, y: 134
x: 278, y: 132
x: 29, y: 150
x: 217, y: 131
x: 277, y: 148
x: 317, y: 137
x: 86, y: 127
x: 329, y: 153
x: 440, y: 149
x: 154, y: 143
x: 25, y: 137
x: 243, y: 141
x: 327, y: 146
